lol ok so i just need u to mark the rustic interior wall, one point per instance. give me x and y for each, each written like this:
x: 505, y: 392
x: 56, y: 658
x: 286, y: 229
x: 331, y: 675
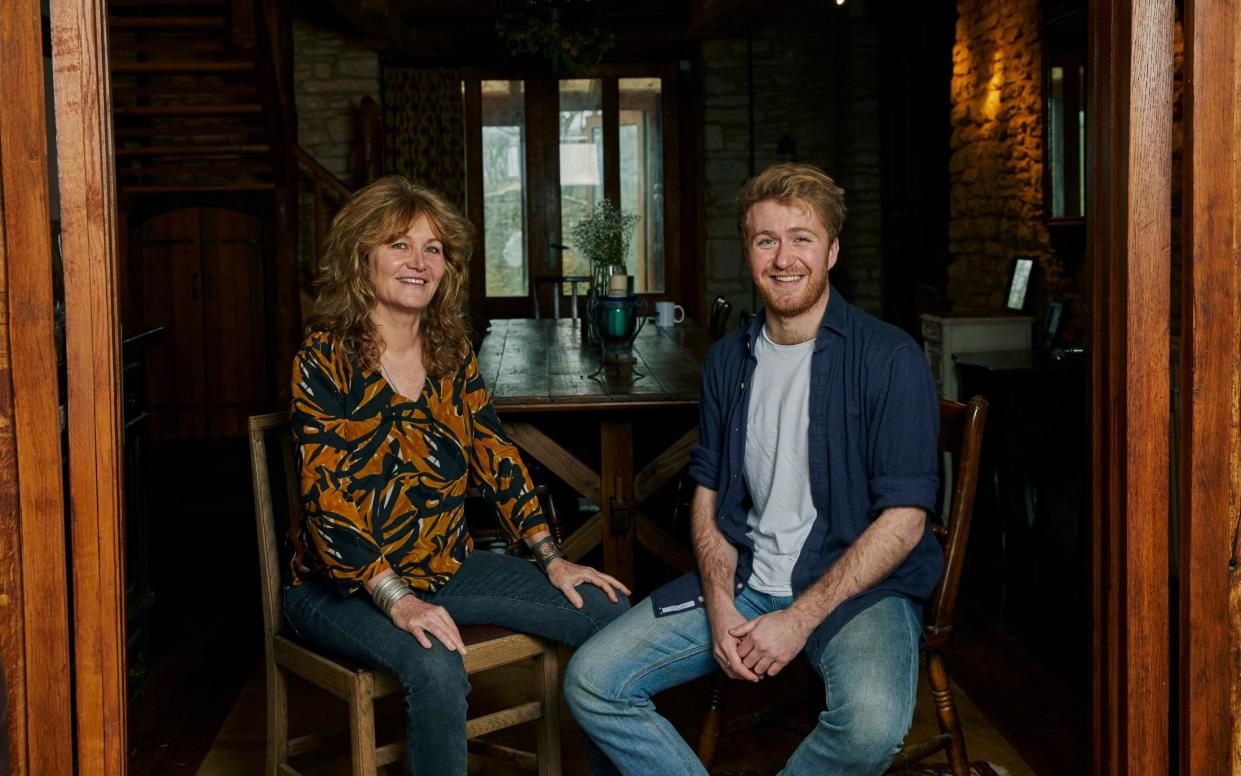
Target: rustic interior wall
x: 804, y: 86
x: 331, y: 75
x: 996, y: 167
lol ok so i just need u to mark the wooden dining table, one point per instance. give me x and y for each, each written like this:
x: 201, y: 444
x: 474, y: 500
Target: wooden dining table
x: 538, y: 370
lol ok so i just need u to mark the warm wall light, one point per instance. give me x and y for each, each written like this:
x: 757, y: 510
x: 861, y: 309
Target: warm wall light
x: 840, y: 2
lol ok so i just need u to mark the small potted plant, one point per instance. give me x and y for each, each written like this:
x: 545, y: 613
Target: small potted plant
x: 603, y: 237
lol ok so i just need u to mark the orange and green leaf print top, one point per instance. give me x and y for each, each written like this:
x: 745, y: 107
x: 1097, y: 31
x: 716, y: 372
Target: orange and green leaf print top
x: 383, y: 476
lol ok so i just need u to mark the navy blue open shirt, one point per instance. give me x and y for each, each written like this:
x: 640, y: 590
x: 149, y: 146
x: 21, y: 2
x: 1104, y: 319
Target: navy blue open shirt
x: 873, y: 426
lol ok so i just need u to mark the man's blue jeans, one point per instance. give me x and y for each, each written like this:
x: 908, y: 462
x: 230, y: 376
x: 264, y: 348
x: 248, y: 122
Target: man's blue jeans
x: 869, y: 671
x: 487, y: 589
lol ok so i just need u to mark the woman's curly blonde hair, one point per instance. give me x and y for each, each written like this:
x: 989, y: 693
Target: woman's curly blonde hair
x: 345, y: 296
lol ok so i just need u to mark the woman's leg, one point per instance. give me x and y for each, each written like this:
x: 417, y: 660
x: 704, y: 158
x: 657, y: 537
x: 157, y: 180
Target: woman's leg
x: 494, y: 589
x: 434, y: 679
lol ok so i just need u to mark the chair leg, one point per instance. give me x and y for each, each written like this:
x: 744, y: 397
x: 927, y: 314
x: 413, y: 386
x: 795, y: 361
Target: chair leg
x: 547, y: 670
x: 277, y: 719
x: 711, y: 721
x: 362, y: 724
x: 946, y: 712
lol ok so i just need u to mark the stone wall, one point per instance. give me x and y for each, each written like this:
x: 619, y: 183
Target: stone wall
x: 996, y: 167
x: 331, y: 75
x: 815, y: 82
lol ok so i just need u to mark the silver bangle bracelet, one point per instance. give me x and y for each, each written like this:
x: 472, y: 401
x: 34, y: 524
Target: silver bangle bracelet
x: 388, y: 592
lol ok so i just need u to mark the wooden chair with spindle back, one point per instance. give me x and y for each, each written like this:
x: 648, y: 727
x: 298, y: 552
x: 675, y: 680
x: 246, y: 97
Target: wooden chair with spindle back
x: 271, y: 446
x: 960, y: 435
x: 717, y: 320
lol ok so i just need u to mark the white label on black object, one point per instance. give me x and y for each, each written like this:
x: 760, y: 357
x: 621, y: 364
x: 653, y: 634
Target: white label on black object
x: 677, y: 607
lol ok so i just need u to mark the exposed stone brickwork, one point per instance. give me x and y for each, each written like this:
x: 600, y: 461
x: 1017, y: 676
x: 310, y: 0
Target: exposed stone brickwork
x: 823, y: 99
x: 331, y: 74
x: 996, y: 167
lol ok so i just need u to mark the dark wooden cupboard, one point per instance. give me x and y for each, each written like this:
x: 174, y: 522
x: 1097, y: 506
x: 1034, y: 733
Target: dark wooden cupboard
x: 204, y: 279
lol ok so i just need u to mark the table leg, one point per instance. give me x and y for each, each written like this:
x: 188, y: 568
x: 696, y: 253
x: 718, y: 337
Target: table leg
x: 619, y: 517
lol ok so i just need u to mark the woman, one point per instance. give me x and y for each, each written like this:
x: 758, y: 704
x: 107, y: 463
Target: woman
x: 392, y: 421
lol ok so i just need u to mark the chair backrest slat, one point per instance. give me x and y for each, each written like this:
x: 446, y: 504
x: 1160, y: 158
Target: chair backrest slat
x: 260, y: 426
x: 960, y: 435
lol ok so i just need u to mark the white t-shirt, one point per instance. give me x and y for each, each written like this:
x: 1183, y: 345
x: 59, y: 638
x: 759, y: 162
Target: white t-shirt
x: 777, y: 462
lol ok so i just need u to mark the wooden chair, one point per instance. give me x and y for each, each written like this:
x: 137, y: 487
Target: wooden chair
x: 358, y: 685
x: 960, y: 435
x: 557, y: 282
x: 717, y: 321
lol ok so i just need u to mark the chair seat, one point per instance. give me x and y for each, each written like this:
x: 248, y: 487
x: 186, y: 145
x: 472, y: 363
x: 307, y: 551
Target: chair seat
x: 489, y: 646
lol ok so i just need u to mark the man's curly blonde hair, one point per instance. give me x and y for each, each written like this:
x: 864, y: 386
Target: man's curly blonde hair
x: 345, y: 296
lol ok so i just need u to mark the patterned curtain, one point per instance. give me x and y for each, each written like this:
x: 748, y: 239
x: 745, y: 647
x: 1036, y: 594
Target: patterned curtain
x: 424, y: 128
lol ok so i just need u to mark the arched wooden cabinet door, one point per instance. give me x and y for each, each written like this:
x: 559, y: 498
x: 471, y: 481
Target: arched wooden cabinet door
x: 204, y: 280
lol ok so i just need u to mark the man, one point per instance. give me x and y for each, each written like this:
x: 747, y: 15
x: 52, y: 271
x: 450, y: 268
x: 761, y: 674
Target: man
x: 816, y: 469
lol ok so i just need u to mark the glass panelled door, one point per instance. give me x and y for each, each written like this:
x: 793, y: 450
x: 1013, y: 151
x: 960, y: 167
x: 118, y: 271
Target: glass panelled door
x: 581, y: 162
x: 642, y: 178
x: 504, y: 188
x: 547, y: 150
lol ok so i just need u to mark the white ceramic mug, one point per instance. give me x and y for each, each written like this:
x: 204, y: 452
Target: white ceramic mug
x: 668, y: 314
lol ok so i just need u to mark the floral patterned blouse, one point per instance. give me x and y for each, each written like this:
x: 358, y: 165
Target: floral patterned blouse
x: 383, y: 476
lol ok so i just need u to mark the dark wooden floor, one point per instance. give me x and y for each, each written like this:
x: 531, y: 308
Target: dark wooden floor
x: 206, y: 625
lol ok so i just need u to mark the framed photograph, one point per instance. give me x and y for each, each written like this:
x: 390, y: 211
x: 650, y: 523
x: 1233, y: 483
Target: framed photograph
x: 1019, y: 283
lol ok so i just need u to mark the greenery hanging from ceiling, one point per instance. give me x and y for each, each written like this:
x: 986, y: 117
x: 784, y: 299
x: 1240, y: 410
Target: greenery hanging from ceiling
x: 566, y: 34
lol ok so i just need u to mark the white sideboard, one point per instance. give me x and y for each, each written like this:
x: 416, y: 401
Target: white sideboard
x: 944, y: 337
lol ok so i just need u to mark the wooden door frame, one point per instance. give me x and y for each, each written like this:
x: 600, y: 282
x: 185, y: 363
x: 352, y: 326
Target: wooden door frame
x: 85, y: 158
x: 1129, y: 244
x: 1210, y: 448
x: 1129, y: 211
x: 34, y: 620
x: 1130, y: 171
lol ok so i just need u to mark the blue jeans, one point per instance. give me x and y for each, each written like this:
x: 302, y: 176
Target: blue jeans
x: 869, y: 671
x: 488, y: 589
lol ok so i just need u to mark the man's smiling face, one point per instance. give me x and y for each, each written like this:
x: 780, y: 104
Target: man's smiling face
x: 790, y: 253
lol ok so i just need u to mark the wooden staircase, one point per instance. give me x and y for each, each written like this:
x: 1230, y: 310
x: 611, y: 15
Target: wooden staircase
x: 187, y: 98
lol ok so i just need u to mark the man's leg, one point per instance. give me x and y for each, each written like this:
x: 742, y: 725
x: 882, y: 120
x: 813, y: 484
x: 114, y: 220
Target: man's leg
x: 870, y: 673
x: 610, y: 681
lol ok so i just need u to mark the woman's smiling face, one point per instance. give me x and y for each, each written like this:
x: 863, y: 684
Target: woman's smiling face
x: 406, y: 270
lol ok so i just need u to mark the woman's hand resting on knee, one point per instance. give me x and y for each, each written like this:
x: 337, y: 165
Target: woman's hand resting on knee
x: 565, y: 576
x: 419, y: 618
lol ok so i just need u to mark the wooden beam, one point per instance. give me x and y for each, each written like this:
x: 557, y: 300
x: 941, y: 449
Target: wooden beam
x: 544, y: 449
x: 88, y: 208
x: 587, y: 537
x: 34, y: 624
x: 1210, y: 360
x: 651, y: 535
x: 617, y: 505
x: 660, y: 470
x: 1130, y: 209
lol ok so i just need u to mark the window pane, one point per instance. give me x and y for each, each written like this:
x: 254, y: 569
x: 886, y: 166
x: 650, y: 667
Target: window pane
x: 581, y: 161
x: 642, y: 178
x: 504, y: 187
x: 1055, y: 141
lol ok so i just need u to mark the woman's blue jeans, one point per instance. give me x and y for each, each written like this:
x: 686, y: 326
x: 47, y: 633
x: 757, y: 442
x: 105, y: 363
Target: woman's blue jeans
x: 869, y: 671
x: 488, y: 589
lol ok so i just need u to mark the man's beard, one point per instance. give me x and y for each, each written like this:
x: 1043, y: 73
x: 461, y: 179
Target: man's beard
x: 787, y: 305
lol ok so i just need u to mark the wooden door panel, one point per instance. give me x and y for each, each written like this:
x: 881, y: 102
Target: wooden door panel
x: 234, y: 337
x: 169, y: 251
